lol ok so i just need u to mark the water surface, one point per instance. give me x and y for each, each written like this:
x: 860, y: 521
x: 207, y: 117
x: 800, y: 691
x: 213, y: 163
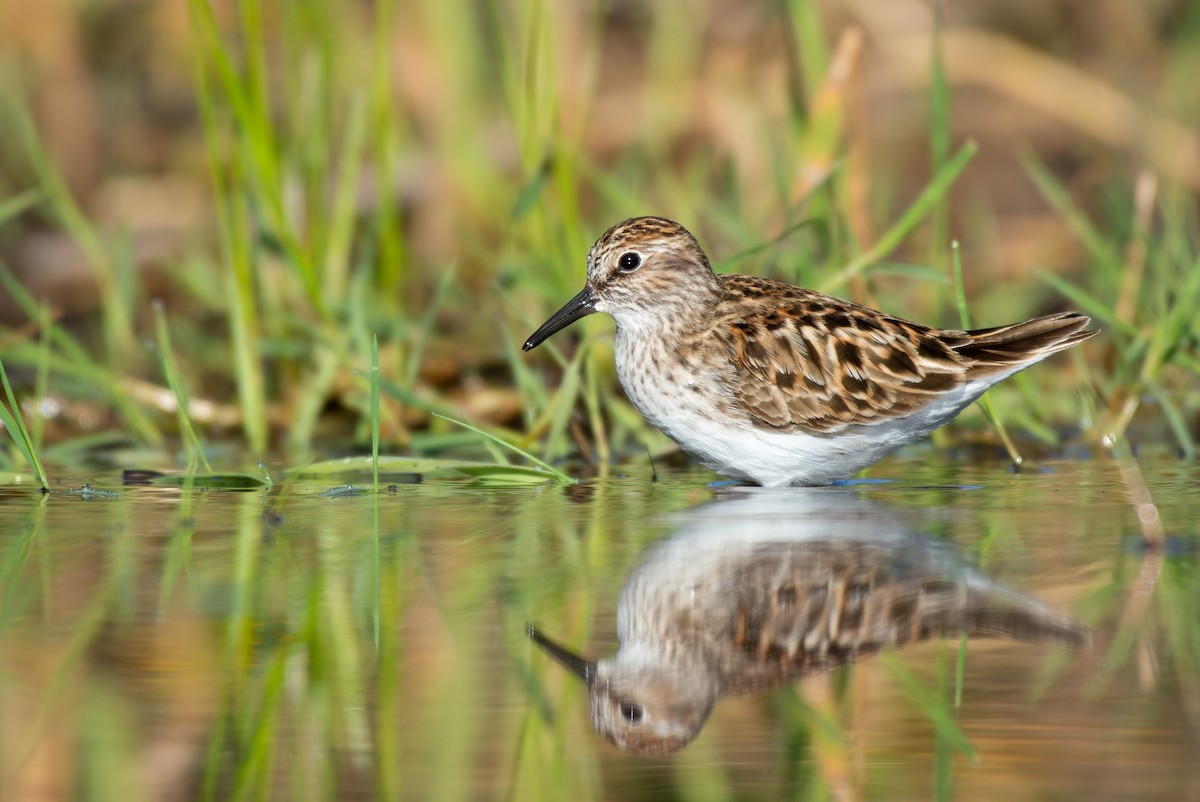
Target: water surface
x: 286, y: 645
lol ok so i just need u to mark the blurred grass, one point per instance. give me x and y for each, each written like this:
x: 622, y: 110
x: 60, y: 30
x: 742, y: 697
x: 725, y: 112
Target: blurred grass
x: 433, y: 173
x: 18, y: 433
x: 428, y: 176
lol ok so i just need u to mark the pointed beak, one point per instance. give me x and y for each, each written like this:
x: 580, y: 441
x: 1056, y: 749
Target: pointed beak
x: 581, y: 305
x: 584, y: 669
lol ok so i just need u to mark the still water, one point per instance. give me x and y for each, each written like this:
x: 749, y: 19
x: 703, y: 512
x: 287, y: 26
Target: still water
x: 163, y: 645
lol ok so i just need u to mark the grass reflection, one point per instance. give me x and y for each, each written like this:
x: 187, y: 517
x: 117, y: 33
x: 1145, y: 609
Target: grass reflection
x: 221, y: 645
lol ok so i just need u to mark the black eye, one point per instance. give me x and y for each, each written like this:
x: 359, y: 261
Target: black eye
x: 629, y: 711
x: 629, y: 262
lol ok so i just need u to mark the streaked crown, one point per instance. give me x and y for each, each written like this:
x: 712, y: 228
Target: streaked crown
x: 646, y: 263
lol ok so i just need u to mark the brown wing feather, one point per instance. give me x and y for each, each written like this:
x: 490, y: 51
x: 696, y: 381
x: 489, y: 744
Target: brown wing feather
x: 990, y: 351
x: 815, y: 363
x: 810, y: 606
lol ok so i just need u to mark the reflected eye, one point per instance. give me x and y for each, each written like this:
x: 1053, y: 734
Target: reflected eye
x: 629, y: 262
x: 631, y: 712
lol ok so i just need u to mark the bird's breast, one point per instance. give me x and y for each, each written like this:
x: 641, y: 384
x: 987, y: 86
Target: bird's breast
x: 669, y: 381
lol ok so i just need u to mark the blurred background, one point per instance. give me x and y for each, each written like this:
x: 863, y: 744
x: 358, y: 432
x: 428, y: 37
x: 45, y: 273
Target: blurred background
x: 220, y: 205
x: 291, y: 179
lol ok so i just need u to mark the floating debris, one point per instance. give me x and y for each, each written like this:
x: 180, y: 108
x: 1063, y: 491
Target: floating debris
x: 210, y: 481
x: 344, y: 491
x: 87, y: 492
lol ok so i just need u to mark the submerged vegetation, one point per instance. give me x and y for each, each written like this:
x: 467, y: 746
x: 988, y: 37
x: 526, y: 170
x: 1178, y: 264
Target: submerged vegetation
x: 311, y: 176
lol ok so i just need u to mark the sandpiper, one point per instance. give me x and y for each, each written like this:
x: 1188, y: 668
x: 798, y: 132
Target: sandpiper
x: 761, y: 587
x: 773, y: 384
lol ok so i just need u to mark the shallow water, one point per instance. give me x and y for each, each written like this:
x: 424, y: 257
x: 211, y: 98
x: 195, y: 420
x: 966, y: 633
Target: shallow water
x: 222, y: 645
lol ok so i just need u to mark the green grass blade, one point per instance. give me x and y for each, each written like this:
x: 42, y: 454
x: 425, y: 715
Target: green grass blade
x: 920, y: 208
x: 810, y: 43
x: 19, y: 203
x: 1096, y: 244
x: 939, y: 134
x: 77, y: 361
x: 558, y: 475
x: 210, y: 481
x: 417, y: 348
x: 1091, y: 305
x: 376, y: 579
x: 928, y: 702
x: 191, y: 441
x: 115, y: 310
x: 14, y: 424
x: 964, y: 315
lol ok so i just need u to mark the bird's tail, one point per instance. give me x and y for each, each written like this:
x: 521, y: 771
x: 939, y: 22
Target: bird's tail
x: 1022, y: 344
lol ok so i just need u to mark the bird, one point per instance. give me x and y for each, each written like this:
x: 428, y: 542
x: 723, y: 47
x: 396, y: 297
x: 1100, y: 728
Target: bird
x: 772, y: 384
x: 760, y: 587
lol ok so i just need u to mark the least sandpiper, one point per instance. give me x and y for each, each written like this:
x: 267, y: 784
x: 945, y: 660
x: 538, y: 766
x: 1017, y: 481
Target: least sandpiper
x: 773, y: 384
x: 759, y: 588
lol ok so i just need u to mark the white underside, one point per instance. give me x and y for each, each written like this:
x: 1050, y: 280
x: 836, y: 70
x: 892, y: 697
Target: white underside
x: 776, y: 459
x: 773, y: 458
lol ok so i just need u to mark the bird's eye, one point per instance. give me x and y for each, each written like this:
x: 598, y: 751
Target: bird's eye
x: 629, y: 262
x: 631, y: 712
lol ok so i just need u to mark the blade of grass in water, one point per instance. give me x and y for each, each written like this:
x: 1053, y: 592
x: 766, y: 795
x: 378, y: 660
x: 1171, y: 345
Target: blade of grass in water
x: 389, y: 676
x: 41, y: 382
x: 12, y: 564
x: 84, y: 633
x: 558, y: 475
x: 960, y: 669
x: 359, y: 469
x: 239, y: 638
x: 210, y: 481
x: 191, y: 441
x: 376, y: 580
x: 178, y: 553
x: 1146, y: 300
x: 505, y: 474
x: 14, y: 424
x: 964, y: 315
x: 252, y: 778
x: 934, y: 708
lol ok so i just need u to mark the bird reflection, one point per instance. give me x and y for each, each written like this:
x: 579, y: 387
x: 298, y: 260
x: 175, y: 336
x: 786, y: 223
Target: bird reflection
x: 759, y: 587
